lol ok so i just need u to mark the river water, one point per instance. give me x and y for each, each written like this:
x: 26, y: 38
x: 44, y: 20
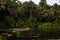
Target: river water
x: 53, y: 39
x: 50, y: 39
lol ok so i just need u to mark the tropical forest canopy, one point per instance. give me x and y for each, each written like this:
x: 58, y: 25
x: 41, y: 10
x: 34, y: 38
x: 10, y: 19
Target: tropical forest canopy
x: 28, y: 14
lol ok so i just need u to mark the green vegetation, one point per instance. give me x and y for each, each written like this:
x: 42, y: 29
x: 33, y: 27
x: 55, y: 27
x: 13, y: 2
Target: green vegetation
x: 3, y: 38
x: 49, y: 27
x: 37, y: 18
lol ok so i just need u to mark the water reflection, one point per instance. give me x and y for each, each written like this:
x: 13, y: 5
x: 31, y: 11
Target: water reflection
x: 53, y: 39
x: 49, y: 39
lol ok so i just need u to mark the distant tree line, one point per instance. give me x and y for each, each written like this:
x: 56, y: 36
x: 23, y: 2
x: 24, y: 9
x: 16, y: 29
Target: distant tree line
x: 27, y: 14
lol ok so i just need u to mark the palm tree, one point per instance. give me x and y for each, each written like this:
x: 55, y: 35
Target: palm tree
x: 30, y: 0
x: 43, y: 0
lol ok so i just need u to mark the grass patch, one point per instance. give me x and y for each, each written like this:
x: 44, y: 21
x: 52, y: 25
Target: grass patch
x: 49, y: 27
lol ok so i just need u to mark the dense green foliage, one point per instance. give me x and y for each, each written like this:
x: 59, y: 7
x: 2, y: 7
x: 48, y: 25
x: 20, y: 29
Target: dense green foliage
x: 14, y: 14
